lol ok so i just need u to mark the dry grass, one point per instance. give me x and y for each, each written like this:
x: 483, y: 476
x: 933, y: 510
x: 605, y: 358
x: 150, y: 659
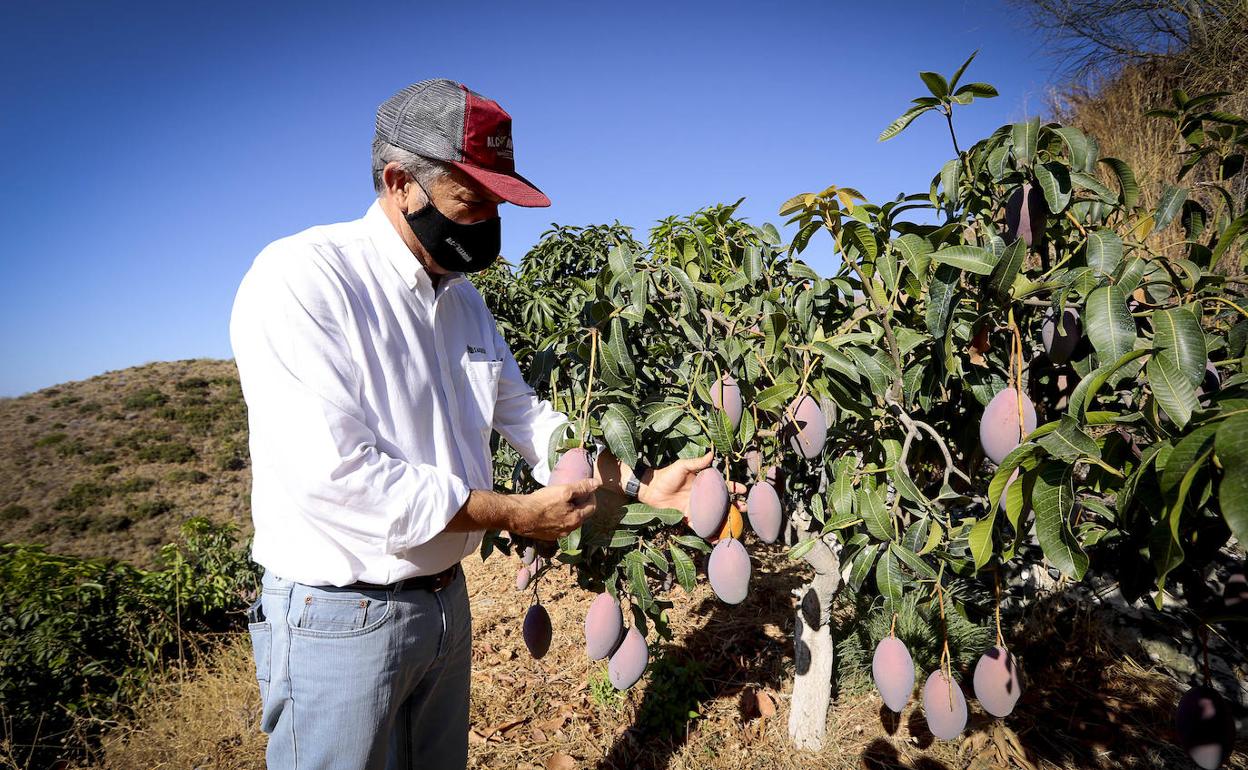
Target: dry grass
x: 1087, y: 703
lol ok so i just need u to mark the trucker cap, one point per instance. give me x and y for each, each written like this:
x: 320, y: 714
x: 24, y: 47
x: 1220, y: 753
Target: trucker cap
x: 444, y: 120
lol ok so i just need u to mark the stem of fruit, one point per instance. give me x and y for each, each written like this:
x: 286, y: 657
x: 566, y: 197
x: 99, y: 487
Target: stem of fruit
x: 996, y: 589
x: 946, y: 664
x: 589, y: 383
x: 1016, y: 372
x: 892, y: 629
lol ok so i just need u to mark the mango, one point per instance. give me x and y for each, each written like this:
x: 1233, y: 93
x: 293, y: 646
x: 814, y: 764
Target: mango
x: 998, y: 428
x: 528, y: 555
x: 892, y: 668
x: 1025, y: 214
x: 729, y: 571
x: 810, y: 432
x: 1235, y: 592
x: 726, y: 395
x: 572, y: 467
x: 629, y: 661
x: 996, y: 681
x: 1205, y: 727
x: 537, y: 631
x: 708, y: 502
x: 734, y: 525
x: 603, y: 624
x: 523, y: 576
x: 1059, y: 346
x: 944, y: 705
x: 763, y: 507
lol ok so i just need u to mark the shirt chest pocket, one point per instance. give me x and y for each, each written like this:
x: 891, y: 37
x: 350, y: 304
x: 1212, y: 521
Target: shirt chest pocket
x: 482, y: 378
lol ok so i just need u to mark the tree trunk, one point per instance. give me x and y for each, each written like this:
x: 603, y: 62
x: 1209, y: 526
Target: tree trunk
x: 812, y: 685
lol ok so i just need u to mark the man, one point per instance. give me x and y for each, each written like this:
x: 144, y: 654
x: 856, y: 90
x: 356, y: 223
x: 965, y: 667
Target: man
x: 374, y: 377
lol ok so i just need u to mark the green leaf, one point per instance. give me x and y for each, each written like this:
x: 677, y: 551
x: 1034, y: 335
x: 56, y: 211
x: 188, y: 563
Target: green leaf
x: 1103, y: 251
x: 635, y: 569
x: 843, y: 484
x: 1007, y: 268
x: 1025, y: 136
x: 953, y: 82
x: 1053, y: 500
x: 1174, y: 393
x: 943, y: 287
x: 1054, y: 180
x: 686, y: 572
x: 980, y: 538
x: 1085, y: 392
x: 874, y: 514
x: 694, y: 542
x: 973, y: 259
x: 935, y: 83
x: 888, y: 577
x: 639, y: 514
x: 1129, y: 189
x: 720, y: 426
x: 1077, y: 144
x: 916, y: 251
x: 776, y: 396
x: 689, y: 297
x: 618, y: 343
x: 899, y: 125
x: 1109, y: 324
x: 912, y: 559
x: 620, y: 260
x: 1069, y: 442
x: 752, y: 262
x: 861, y: 567
x: 977, y: 90
x: 1177, y: 330
x: 1231, y: 445
x: 617, y: 430
x: 1169, y: 206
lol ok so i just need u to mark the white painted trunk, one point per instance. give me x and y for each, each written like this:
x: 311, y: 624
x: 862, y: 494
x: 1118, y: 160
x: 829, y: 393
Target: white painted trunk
x: 814, y: 653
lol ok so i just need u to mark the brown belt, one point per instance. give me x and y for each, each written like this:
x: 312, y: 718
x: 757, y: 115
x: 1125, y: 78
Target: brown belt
x: 416, y: 583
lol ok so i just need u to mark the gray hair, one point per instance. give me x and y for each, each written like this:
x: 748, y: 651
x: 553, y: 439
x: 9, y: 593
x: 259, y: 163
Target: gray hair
x: 424, y: 170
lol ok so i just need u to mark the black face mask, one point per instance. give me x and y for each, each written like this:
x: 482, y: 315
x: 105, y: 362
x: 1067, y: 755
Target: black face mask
x: 462, y: 248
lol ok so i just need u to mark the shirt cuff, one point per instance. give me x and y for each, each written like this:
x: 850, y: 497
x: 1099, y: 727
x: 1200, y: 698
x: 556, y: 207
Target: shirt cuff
x: 431, y: 516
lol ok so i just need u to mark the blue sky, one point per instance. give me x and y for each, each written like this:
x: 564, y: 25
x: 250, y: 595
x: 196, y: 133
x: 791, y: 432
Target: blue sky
x: 151, y: 150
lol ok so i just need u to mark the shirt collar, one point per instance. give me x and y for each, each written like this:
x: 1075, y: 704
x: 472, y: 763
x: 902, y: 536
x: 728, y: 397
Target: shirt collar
x: 396, y: 252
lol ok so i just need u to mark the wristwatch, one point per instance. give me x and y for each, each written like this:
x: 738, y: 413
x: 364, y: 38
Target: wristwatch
x: 634, y: 482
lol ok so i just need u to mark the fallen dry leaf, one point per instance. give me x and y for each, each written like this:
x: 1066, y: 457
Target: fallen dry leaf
x: 560, y: 762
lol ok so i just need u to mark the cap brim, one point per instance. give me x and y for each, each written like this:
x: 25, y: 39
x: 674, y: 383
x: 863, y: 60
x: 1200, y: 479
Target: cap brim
x: 512, y: 188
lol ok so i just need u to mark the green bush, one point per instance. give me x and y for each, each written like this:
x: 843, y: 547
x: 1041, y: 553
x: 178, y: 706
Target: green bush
x: 52, y: 439
x: 193, y: 383
x: 81, y: 636
x: 170, y: 452
x: 136, y: 484
x: 150, y: 508
x: 82, y: 496
x: 148, y: 398
x: 187, y: 476
x: 30, y: 418
x: 11, y: 513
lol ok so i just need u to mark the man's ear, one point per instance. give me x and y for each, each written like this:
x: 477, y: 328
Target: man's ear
x: 398, y: 185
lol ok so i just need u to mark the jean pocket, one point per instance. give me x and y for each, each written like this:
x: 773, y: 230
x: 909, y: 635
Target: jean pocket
x: 325, y: 614
x: 261, y: 650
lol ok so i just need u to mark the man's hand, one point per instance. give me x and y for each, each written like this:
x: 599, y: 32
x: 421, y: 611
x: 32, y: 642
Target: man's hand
x: 669, y: 487
x: 553, y: 512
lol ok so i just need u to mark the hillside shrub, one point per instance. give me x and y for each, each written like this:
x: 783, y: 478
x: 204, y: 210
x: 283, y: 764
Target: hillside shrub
x: 82, y: 637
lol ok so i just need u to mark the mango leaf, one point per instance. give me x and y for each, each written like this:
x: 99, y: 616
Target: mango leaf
x: 875, y: 514
x: 694, y: 542
x: 617, y: 430
x: 1129, y: 189
x: 862, y: 563
x: 1109, y: 324
x: 635, y: 570
x: 775, y: 397
x: 752, y: 262
x: 972, y: 259
x: 888, y: 577
x: 720, y: 426
x: 980, y: 538
x: 1069, y: 442
x: 1007, y: 268
x: 940, y: 295
x: 1231, y: 444
x: 1177, y: 330
x: 638, y: 514
x: 843, y: 484
x: 1174, y: 393
x: 1053, y: 499
x: 898, y: 125
x: 1169, y: 205
x: 1103, y: 251
x: 1026, y: 136
x: 686, y: 572
x: 1054, y: 180
x: 1085, y: 392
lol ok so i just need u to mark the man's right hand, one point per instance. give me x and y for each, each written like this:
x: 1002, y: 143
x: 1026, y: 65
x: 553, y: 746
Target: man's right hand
x: 552, y: 512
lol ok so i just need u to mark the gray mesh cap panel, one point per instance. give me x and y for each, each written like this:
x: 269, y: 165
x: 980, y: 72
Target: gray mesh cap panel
x: 426, y: 118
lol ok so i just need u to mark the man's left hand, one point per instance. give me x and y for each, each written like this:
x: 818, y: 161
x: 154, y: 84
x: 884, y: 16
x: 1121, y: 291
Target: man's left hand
x: 669, y: 487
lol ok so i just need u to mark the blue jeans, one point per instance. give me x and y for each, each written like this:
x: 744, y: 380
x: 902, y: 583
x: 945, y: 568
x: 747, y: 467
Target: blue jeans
x: 375, y: 680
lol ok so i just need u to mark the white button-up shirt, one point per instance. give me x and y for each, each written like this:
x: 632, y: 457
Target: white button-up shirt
x: 371, y: 400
